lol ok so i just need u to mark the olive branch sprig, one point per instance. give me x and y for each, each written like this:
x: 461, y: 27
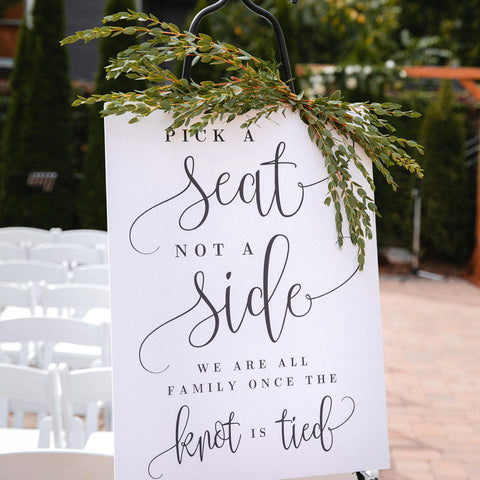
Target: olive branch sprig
x: 254, y: 87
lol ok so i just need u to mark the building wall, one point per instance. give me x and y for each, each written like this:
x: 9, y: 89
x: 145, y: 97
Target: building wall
x: 9, y: 30
x: 81, y: 15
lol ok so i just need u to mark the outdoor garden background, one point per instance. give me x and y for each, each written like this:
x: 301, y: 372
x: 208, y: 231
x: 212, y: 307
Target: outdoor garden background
x: 361, y: 47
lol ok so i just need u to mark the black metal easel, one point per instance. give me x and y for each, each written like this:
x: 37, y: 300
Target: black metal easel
x: 282, y: 46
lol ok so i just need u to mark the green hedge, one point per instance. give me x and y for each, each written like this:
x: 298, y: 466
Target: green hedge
x: 92, y: 193
x: 444, y: 188
x: 38, y: 130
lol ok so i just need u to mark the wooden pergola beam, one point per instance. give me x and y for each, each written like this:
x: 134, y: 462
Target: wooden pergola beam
x: 471, y: 87
x: 454, y: 73
x: 465, y: 75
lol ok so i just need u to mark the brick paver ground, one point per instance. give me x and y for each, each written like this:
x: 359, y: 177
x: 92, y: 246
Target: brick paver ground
x: 431, y: 334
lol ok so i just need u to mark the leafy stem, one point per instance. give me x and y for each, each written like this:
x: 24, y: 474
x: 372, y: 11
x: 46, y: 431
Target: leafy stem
x: 255, y: 87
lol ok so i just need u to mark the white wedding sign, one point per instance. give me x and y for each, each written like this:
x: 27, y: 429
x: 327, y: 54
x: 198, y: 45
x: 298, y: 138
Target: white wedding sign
x: 246, y: 343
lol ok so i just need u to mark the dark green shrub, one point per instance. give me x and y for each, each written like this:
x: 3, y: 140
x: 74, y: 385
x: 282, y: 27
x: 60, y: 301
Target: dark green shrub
x: 46, y: 132
x: 13, y: 199
x: 92, y: 194
x: 395, y: 226
x: 444, y: 221
x: 40, y: 113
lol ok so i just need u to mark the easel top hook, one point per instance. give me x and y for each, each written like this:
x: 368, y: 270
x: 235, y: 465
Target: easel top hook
x: 253, y: 7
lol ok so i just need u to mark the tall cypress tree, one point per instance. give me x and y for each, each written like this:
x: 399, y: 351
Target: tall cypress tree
x: 92, y: 196
x: 46, y: 130
x: 444, y: 229
x: 13, y: 200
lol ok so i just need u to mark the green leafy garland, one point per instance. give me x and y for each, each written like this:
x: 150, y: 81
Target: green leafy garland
x: 256, y: 88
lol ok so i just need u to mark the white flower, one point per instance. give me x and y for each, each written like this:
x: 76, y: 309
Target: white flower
x: 351, y: 83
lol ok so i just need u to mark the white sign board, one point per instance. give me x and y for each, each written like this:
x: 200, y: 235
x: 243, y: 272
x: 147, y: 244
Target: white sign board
x: 246, y: 343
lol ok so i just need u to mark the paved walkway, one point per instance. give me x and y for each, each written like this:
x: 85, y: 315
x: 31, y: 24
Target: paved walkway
x: 431, y: 334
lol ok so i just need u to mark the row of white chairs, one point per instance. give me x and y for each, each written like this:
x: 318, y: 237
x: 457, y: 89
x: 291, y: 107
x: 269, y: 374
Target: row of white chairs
x: 30, y: 235
x: 55, y: 395
x: 45, y: 299
x: 54, y: 252
x: 54, y: 322
x: 49, y: 464
x: 36, y: 271
x: 40, y: 341
x: 48, y: 335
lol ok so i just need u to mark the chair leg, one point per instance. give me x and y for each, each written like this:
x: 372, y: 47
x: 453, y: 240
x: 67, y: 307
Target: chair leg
x: 45, y: 429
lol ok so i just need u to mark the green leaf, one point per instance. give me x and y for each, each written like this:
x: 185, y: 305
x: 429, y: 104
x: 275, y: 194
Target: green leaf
x: 205, y: 37
x: 336, y: 95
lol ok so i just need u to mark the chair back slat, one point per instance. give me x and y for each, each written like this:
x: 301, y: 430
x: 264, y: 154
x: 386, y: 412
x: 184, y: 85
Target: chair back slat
x: 95, y: 274
x: 66, y: 252
x: 17, y: 299
x: 11, y: 250
x: 87, y: 237
x: 21, y: 271
x: 48, y: 332
x: 74, y: 300
x: 29, y: 235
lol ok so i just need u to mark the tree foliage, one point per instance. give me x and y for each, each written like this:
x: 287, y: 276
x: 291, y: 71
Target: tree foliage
x: 45, y: 143
x: 92, y: 195
x: 466, y: 34
x: 316, y: 31
x: 438, y: 32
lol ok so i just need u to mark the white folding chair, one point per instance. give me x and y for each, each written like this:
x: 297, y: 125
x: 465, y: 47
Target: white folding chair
x: 95, y: 274
x: 73, y: 299
x: 66, y: 252
x: 25, y: 389
x: 86, y: 391
x: 11, y: 250
x: 86, y: 237
x: 78, y: 343
x: 25, y: 271
x: 25, y: 234
x: 56, y: 465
